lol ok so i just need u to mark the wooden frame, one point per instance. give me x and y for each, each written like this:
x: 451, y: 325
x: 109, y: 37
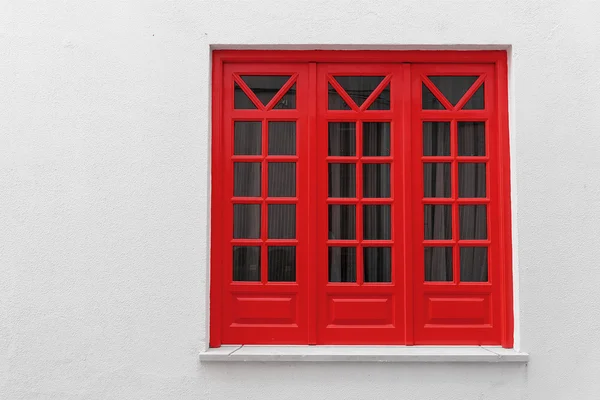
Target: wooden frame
x: 409, y: 67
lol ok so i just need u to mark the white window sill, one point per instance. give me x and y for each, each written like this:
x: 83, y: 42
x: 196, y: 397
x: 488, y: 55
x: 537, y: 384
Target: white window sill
x: 393, y: 354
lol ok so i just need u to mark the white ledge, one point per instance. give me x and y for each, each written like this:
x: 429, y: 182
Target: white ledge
x: 393, y: 354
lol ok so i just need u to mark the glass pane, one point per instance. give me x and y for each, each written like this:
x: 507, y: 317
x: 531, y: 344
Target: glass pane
x: 342, y: 264
x: 473, y: 264
x: 471, y: 180
x: 265, y: 87
x: 436, y: 179
x: 282, y: 264
x: 246, y: 221
x: 473, y: 222
x: 430, y: 102
x: 246, y: 179
x: 377, y: 222
x: 342, y: 139
x: 335, y: 100
x: 282, y: 179
x: 453, y: 87
x: 476, y: 102
x: 342, y: 180
x: 246, y: 263
x: 376, y: 180
x: 436, y: 138
x: 282, y: 221
x: 471, y: 138
x: 359, y: 87
x: 378, y: 264
x: 247, y: 138
x: 382, y: 102
x: 288, y: 101
x: 438, y: 264
x: 342, y: 222
x: 438, y: 222
x: 282, y: 138
x: 240, y: 100
x: 376, y: 139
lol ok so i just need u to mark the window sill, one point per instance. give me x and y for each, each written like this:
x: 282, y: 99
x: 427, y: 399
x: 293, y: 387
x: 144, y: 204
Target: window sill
x: 392, y: 354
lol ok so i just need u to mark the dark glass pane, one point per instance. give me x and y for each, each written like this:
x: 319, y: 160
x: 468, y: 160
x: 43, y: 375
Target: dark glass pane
x: 473, y: 222
x: 453, y: 87
x: 438, y: 222
x: 471, y: 138
x: 282, y: 221
x: 376, y: 180
x: 282, y: 179
x: 265, y: 87
x: 282, y: 138
x: 240, y: 100
x: 342, y: 180
x: 288, y: 101
x: 436, y: 138
x: 359, y: 87
x: 247, y: 138
x: 246, y: 221
x: 473, y: 264
x: 282, y: 264
x: 335, y: 100
x: 436, y: 179
x: 246, y: 179
x: 471, y: 180
x: 342, y: 222
x: 342, y: 264
x: 342, y: 139
x: 378, y: 264
x: 377, y: 222
x: 246, y: 263
x: 438, y: 264
x: 430, y: 102
x: 476, y: 102
x: 382, y: 102
x: 376, y: 139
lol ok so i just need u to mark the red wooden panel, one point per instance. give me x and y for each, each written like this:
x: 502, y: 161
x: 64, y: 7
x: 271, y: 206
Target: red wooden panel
x: 361, y: 310
x: 260, y: 309
x: 459, y: 310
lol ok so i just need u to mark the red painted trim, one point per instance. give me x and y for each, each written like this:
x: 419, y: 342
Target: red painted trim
x: 216, y: 198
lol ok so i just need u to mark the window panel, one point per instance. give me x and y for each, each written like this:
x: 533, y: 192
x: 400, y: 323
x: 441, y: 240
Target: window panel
x: 282, y: 138
x: 246, y: 179
x: 436, y: 138
x: 359, y: 88
x: 473, y: 222
x: 378, y: 264
x: 265, y: 87
x: 282, y: 221
x: 342, y: 180
x: 246, y: 263
x: 342, y: 264
x: 438, y: 222
x: 376, y: 180
x: 471, y: 180
x: 241, y: 101
x: 477, y: 101
x: 436, y: 179
x: 376, y: 139
x: 471, y: 138
x: 473, y: 264
x: 246, y: 221
x: 282, y: 179
x: 247, y: 138
x: 438, y: 264
x: 377, y: 222
x: 342, y: 222
x: 453, y: 87
x: 342, y: 139
x: 282, y: 263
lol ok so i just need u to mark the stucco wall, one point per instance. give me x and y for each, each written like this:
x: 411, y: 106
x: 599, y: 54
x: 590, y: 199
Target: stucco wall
x: 104, y: 197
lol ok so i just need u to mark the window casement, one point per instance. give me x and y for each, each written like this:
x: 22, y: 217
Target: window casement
x: 360, y: 198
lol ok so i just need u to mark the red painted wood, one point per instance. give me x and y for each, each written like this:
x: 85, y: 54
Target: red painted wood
x: 408, y: 310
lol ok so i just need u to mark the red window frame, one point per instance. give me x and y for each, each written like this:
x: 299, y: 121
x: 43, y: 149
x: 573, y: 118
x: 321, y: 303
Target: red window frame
x: 407, y: 310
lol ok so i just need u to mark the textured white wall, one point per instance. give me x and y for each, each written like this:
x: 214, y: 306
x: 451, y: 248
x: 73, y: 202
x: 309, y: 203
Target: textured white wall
x: 104, y: 172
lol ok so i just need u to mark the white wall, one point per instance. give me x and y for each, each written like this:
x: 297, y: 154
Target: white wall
x: 104, y: 171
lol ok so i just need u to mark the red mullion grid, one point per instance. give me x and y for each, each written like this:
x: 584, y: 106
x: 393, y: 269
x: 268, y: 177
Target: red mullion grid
x: 264, y: 186
x: 360, y: 276
x: 454, y: 195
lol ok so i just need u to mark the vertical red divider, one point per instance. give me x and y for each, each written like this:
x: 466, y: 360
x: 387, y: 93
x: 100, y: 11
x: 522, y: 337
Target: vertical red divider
x: 359, y: 206
x: 312, y: 158
x: 454, y: 195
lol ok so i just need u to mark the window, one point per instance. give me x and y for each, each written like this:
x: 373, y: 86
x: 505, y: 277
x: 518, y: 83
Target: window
x: 360, y: 198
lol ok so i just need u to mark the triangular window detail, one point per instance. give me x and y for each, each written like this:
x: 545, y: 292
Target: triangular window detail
x: 288, y: 101
x: 265, y: 87
x: 476, y: 102
x: 453, y: 87
x: 241, y: 101
x: 430, y: 102
x: 335, y: 100
x: 382, y: 102
x: 359, y: 88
